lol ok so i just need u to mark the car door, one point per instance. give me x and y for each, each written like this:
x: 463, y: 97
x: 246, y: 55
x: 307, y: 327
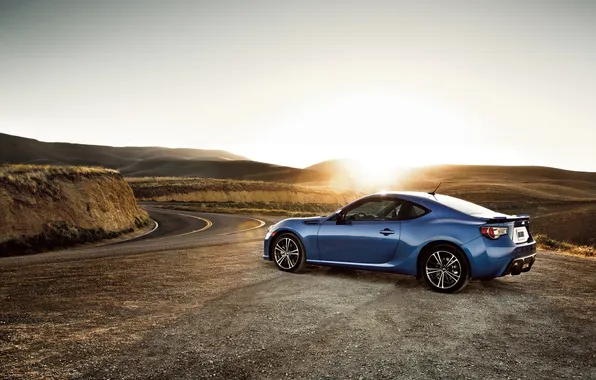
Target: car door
x: 366, y: 232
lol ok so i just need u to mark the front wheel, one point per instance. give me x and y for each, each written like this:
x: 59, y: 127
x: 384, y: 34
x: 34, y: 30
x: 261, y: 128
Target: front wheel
x: 445, y: 269
x: 288, y: 253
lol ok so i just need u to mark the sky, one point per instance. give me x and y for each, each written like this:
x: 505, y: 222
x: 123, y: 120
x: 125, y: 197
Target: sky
x: 297, y: 82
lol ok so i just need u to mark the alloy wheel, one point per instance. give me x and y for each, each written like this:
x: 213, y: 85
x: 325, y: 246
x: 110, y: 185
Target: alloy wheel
x: 287, y: 253
x: 443, y: 269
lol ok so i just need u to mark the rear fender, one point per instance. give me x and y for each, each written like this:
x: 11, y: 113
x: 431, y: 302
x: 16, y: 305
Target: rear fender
x: 445, y: 241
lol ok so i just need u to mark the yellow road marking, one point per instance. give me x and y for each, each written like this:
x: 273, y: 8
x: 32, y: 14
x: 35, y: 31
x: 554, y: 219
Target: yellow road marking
x: 207, y: 221
x: 248, y: 229
x: 210, y: 223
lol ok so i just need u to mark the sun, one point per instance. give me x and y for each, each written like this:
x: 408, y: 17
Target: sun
x: 374, y: 173
x: 370, y: 171
x: 386, y: 134
x: 378, y: 130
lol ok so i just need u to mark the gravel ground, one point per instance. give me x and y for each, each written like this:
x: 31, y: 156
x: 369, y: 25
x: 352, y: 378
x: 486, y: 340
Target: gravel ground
x: 222, y: 312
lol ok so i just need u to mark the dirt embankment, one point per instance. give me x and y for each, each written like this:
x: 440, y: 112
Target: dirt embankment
x: 46, y: 207
x: 168, y: 189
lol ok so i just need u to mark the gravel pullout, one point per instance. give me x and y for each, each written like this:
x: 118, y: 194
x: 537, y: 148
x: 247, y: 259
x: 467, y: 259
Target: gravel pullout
x: 222, y: 312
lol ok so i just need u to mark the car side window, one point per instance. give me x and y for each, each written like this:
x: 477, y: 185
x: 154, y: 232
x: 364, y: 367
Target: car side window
x: 333, y: 217
x: 375, y: 209
x: 417, y: 211
x: 412, y: 211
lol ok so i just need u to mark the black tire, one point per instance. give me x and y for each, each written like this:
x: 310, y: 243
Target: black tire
x: 296, y: 257
x: 445, y: 269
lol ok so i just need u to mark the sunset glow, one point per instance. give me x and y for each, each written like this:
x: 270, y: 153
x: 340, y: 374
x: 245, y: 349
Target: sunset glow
x: 399, y: 83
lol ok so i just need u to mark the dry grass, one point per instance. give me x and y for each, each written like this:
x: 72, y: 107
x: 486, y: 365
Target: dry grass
x: 546, y: 243
x: 219, y: 190
x: 289, y: 209
x: 35, y: 176
x: 39, y: 171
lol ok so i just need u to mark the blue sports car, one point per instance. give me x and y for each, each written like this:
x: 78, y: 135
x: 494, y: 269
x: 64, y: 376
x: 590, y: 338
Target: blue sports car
x: 443, y: 239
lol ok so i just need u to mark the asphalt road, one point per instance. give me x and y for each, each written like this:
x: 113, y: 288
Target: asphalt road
x: 176, y: 230
x: 195, y: 300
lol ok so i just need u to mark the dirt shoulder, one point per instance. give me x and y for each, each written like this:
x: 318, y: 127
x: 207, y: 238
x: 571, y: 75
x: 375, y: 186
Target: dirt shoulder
x: 51, y: 207
x: 222, y: 312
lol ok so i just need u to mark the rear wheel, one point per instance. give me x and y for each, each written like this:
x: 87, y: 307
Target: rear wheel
x: 288, y: 253
x: 445, y: 269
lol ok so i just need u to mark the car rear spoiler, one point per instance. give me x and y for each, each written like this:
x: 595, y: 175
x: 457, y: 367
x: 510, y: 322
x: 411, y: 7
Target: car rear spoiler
x: 505, y: 219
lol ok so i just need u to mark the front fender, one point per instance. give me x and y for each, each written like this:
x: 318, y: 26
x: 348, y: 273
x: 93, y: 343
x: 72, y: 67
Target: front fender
x: 307, y: 233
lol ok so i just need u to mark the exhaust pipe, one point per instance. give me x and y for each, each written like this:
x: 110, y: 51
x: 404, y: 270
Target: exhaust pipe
x: 516, y: 267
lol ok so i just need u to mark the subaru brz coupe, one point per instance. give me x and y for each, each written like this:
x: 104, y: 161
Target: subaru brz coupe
x: 445, y: 240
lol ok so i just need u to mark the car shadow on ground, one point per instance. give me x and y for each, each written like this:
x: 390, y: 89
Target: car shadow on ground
x: 498, y: 285
x: 399, y: 280
x: 410, y: 282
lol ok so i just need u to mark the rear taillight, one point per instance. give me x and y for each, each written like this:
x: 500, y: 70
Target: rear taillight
x: 493, y: 232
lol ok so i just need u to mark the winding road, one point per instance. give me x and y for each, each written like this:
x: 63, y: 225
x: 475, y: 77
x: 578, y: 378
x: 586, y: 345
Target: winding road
x: 194, y: 299
x: 174, y: 230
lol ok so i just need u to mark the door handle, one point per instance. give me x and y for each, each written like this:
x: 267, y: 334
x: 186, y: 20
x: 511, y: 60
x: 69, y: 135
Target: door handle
x: 386, y: 232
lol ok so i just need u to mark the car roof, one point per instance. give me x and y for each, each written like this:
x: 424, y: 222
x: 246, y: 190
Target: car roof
x: 433, y: 202
x: 406, y: 195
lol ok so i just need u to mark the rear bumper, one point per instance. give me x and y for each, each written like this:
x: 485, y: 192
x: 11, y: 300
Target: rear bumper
x: 494, y: 258
x: 519, y: 265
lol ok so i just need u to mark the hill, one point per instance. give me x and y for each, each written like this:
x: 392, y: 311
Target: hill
x: 505, y: 186
x: 504, y: 182
x: 239, y: 170
x: 335, y: 165
x: 20, y: 150
x: 150, y: 161
x: 45, y: 207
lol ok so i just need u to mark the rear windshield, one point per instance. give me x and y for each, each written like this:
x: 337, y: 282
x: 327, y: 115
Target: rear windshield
x: 463, y: 206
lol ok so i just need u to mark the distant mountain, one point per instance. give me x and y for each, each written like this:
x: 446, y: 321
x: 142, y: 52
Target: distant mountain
x: 521, y: 174
x: 457, y: 176
x: 149, y: 161
x: 466, y: 172
x: 23, y: 150
x: 332, y: 165
x: 239, y: 169
x: 160, y: 162
x: 337, y: 169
